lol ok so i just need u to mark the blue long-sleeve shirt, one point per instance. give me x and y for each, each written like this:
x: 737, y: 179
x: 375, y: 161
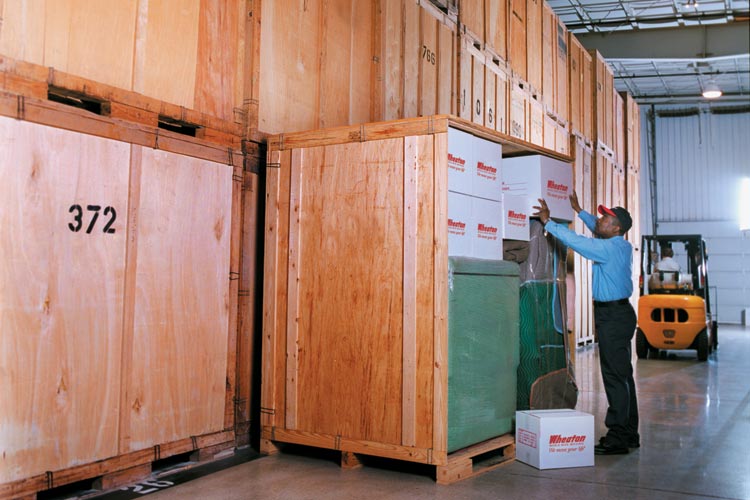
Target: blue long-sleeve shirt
x: 612, y: 258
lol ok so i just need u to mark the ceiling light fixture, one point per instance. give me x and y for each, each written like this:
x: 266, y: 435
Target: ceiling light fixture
x: 711, y: 90
x: 691, y: 4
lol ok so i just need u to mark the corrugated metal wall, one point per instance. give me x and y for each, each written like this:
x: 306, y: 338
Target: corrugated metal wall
x: 700, y: 159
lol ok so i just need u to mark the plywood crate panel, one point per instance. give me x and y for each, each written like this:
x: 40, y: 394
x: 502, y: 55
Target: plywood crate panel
x: 325, y: 64
x: 485, y: 21
x: 587, y: 96
x: 121, y: 306
x: 534, y: 25
x: 535, y: 123
x: 619, y: 128
x: 471, y: 16
x: 603, y: 101
x: 583, y: 315
x: 519, y: 112
x: 632, y: 133
x: 562, y: 139
x: 562, y: 92
x: 471, y: 81
x: 496, y: 27
x: 185, y: 52
x: 61, y: 292
x: 383, y: 390
x: 177, y: 376
x: 575, y: 74
x: 517, y: 43
x: 548, y: 58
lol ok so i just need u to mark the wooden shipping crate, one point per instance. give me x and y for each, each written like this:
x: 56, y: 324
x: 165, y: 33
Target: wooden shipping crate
x: 185, y: 52
x: 362, y: 61
x: 355, y: 292
x: 583, y: 314
x: 111, y: 348
x: 534, y: 25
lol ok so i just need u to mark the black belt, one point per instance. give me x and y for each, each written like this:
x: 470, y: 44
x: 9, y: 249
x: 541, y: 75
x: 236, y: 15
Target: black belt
x: 611, y: 303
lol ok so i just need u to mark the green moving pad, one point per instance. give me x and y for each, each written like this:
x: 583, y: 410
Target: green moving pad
x: 482, y: 349
x: 542, y: 346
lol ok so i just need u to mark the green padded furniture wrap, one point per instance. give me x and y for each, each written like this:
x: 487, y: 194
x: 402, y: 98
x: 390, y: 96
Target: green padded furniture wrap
x: 542, y: 347
x: 483, y: 349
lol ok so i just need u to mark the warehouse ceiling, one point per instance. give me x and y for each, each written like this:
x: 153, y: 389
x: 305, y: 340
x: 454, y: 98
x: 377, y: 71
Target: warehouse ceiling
x: 667, y: 51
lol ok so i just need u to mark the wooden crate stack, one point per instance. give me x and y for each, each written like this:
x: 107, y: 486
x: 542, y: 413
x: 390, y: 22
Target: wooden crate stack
x: 128, y: 182
x: 208, y: 81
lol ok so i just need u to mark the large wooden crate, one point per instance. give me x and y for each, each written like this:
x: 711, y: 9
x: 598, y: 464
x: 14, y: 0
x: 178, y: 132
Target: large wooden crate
x: 119, y: 291
x: 185, y: 52
x: 325, y: 64
x: 534, y: 25
x: 355, y: 291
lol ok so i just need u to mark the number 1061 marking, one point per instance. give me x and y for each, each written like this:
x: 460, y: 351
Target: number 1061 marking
x: 77, y: 223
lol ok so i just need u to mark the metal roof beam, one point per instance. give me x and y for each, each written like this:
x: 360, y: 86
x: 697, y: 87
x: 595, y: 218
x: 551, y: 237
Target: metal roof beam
x: 671, y: 43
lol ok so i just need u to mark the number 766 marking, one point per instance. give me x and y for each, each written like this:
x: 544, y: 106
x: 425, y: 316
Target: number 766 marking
x: 77, y: 223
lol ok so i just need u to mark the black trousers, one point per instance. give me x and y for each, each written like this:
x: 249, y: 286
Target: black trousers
x: 615, y: 325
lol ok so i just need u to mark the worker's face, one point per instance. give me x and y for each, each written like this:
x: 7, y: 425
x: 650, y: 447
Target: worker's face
x: 607, y: 226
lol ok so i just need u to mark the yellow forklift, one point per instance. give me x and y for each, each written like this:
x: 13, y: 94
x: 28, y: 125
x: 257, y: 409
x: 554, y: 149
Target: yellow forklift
x: 674, y: 308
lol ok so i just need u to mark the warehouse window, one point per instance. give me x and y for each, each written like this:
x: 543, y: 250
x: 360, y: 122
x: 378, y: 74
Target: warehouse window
x: 745, y: 204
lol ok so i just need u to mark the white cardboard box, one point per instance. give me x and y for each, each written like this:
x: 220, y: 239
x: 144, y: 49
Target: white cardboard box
x: 537, y: 177
x: 553, y: 439
x: 487, y: 229
x: 488, y: 181
x: 516, y: 218
x: 459, y: 225
x: 461, y: 161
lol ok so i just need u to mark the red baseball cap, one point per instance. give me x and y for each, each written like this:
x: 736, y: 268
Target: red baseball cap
x: 623, y: 216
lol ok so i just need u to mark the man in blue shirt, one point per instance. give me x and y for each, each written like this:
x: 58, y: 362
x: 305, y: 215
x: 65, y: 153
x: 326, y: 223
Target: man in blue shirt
x: 614, y: 317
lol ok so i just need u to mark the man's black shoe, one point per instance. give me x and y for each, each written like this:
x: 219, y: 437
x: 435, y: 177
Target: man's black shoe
x: 632, y: 443
x: 606, y: 449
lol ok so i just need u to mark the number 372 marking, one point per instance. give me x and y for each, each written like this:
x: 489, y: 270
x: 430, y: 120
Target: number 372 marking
x: 77, y: 223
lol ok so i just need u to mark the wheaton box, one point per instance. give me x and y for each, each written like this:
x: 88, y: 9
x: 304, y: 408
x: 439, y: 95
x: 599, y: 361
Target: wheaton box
x: 516, y: 216
x: 461, y: 161
x: 474, y: 165
x: 459, y: 224
x: 538, y: 176
x: 474, y: 227
x: 555, y: 439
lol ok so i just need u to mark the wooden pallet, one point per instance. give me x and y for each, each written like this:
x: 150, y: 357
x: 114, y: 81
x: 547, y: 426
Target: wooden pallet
x: 462, y: 464
x: 123, y: 469
x: 34, y: 81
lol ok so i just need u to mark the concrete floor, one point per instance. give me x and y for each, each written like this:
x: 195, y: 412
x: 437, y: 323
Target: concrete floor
x: 695, y: 443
